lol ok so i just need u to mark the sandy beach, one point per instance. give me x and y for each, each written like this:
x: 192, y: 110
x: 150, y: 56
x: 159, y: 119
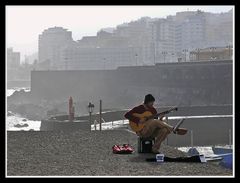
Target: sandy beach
x: 80, y: 153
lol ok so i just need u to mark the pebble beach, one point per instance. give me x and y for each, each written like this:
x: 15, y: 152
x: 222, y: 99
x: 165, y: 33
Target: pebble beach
x: 82, y: 153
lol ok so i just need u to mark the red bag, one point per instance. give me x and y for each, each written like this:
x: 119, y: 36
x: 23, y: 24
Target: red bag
x: 124, y: 149
x: 128, y: 148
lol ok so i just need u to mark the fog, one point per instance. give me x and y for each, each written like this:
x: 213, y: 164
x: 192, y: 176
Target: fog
x: 183, y: 55
x: 34, y: 19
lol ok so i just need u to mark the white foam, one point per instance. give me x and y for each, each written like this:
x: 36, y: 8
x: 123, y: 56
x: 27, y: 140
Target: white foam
x: 14, y: 120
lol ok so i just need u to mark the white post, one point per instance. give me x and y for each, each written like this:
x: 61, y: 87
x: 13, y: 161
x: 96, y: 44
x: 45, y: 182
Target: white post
x: 166, y: 118
x: 95, y: 125
x: 176, y: 138
x: 100, y: 116
x: 191, y: 138
x: 90, y: 119
x: 230, y: 137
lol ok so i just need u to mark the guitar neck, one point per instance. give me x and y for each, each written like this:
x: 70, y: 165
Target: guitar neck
x: 161, y: 113
x: 156, y: 115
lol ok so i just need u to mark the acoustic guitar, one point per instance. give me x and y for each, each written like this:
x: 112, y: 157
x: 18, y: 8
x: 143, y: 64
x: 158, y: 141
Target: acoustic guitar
x: 147, y: 115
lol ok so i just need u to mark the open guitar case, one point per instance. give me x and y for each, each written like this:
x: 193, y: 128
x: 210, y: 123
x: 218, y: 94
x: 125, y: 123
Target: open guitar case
x: 195, y: 158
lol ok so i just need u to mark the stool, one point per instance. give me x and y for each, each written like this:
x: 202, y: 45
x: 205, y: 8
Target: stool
x: 145, y: 144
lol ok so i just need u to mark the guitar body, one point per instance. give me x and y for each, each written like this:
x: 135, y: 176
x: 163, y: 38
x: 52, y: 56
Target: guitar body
x: 147, y: 114
x: 137, y: 127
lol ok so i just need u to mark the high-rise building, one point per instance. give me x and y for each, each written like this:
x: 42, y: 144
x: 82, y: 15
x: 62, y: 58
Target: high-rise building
x: 139, y: 35
x: 219, y: 29
x: 13, y: 59
x: 190, y: 32
x: 76, y: 57
x: 50, y: 43
x: 141, y: 42
x: 163, y: 40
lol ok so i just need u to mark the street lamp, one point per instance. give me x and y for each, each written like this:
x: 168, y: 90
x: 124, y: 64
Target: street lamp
x: 104, y: 62
x: 229, y: 51
x: 136, y: 55
x: 185, y: 54
x: 154, y: 58
x: 90, y: 110
x: 213, y: 48
x: 66, y: 66
x: 198, y: 52
x: 173, y: 57
x: 164, y: 55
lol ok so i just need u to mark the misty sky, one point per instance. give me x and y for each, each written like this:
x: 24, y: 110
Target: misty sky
x: 25, y: 23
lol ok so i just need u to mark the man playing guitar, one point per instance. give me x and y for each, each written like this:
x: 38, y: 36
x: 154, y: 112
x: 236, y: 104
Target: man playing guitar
x: 144, y: 122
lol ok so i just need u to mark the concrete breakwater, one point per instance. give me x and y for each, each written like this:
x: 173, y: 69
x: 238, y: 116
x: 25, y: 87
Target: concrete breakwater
x: 182, y: 111
x: 211, y: 127
x: 53, y: 125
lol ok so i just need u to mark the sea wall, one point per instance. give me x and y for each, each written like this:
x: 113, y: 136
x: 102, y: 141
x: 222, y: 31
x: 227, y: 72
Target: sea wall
x: 189, y: 83
x: 18, y: 83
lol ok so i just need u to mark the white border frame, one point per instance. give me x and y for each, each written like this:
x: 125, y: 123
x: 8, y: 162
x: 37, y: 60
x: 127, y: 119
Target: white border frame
x: 226, y: 176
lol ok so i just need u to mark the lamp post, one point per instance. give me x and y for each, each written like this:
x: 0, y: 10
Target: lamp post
x: 198, y: 52
x: 185, y: 54
x: 154, y: 58
x: 90, y: 110
x: 164, y: 55
x: 213, y: 48
x: 136, y: 55
x: 229, y: 51
x: 66, y: 64
x: 104, y: 62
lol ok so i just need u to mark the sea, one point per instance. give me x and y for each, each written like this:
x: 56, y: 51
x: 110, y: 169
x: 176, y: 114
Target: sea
x: 16, y: 122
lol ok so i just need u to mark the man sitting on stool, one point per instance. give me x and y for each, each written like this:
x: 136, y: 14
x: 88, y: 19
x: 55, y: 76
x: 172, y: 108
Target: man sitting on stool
x: 152, y: 127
